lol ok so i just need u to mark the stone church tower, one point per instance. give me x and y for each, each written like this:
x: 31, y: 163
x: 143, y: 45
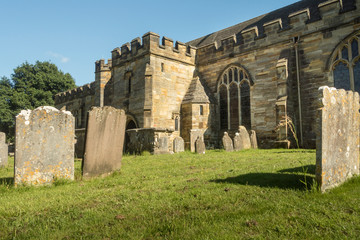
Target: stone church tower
x: 263, y: 74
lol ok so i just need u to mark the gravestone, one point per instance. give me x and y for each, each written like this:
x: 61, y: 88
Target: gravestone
x: 337, y: 137
x: 178, y: 144
x: 200, y: 146
x: 227, y: 142
x: 244, y: 137
x: 44, y: 146
x: 253, y: 139
x: 194, y: 135
x: 104, y: 141
x: 162, y: 145
x: 3, y: 150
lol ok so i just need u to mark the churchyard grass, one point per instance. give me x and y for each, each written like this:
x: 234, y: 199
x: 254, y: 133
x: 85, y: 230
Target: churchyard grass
x: 220, y: 195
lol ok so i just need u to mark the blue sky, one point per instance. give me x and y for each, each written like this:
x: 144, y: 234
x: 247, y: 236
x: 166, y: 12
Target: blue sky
x: 73, y: 34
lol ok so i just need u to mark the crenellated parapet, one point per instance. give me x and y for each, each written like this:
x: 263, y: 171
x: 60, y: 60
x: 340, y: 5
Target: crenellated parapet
x: 150, y: 44
x: 80, y: 92
x: 100, y: 65
x: 299, y: 18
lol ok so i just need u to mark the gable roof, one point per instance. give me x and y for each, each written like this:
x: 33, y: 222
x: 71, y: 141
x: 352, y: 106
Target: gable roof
x: 282, y: 13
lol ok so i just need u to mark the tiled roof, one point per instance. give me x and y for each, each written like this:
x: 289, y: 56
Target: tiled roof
x: 196, y: 93
x: 282, y: 13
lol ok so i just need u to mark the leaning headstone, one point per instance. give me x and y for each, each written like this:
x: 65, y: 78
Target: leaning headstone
x: 337, y: 138
x: 44, y: 146
x: 253, y: 139
x: 104, y: 141
x: 227, y: 142
x: 242, y: 139
x: 3, y: 150
x: 200, y: 146
x: 178, y: 144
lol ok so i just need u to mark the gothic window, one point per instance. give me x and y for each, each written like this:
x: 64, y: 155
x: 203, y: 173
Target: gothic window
x: 234, y: 99
x: 345, y: 64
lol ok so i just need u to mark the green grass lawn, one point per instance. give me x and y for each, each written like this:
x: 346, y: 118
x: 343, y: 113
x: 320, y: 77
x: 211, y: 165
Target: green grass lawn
x: 250, y: 194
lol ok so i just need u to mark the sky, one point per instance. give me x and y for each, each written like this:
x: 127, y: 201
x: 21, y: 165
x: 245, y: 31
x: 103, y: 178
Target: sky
x: 73, y: 34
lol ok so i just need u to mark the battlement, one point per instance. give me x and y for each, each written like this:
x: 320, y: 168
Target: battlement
x: 79, y: 92
x: 100, y: 65
x: 150, y: 43
x: 280, y: 24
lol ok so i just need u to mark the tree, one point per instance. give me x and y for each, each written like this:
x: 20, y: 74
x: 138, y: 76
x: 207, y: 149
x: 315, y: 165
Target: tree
x: 31, y: 86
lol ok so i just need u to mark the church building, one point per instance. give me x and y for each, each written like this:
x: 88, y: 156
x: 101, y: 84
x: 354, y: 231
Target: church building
x: 263, y: 74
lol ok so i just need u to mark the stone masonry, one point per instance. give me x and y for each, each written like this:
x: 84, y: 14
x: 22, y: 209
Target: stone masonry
x: 255, y: 74
x: 337, y: 151
x: 44, y: 142
x: 104, y: 141
x: 3, y: 150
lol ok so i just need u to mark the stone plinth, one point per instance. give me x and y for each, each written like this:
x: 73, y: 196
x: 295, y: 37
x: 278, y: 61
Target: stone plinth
x: 149, y: 139
x: 178, y: 144
x: 337, y: 150
x: 3, y: 150
x: 104, y: 141
x: 44, y: 142
x: 227, y: 143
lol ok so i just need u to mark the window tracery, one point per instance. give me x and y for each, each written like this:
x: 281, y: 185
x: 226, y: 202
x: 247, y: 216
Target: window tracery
x: 234, y: 98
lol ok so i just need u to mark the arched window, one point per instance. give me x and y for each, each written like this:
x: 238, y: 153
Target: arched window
x: 234, y: 98
x: 345, y: 64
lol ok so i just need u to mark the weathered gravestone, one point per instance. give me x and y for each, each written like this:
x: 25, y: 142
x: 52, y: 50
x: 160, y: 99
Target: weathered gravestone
x: 104, y: 141
x: 227, y: 142
x: 44, y: 146
x: 178, y: 144
x: 200, y: 146
x: 162, y: 145
x: 3, y: 150
x: 194, y: 135
x: 253, y: 139
x: 337, y: 138
x: 242, y: 139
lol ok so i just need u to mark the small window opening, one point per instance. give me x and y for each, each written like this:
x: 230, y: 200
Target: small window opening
x: 129, y: 85
x: 201, y: 110
x: 177, y: 124
x: 162, y: 67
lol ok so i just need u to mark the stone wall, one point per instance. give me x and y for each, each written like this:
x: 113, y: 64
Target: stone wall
x: 260, y: 51
x: 337, y: 150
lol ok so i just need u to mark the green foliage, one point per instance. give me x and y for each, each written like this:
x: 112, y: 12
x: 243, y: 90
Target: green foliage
x: 31, y: 86
x: 252, y: 194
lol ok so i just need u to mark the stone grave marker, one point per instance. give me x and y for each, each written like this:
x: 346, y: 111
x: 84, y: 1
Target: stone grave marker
x: 162, y: 145
x: 244, y: 137
x: 337, y: 137
x: 200, y: 146
x: 178, y: 144
x: 44, y: 146
x: 253, y: 139
x: 104, y: 141
x: 3, y: 150
x: 227, y: 142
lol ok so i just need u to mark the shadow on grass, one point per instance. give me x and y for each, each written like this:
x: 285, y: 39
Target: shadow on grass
x: 7, y: 181
x: 272, y: 180
x: 308, y: 169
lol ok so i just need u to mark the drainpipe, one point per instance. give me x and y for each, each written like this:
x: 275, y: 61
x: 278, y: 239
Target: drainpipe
x: 296, y: 45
